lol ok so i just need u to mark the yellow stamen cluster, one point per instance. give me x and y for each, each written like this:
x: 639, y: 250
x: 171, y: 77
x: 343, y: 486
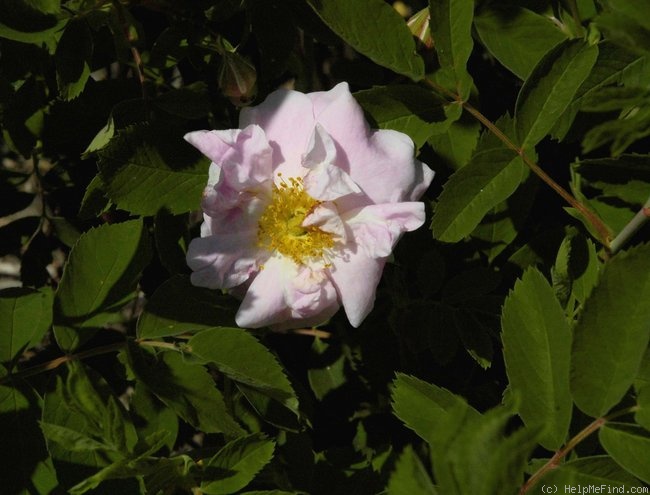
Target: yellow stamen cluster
x: 280, y: 226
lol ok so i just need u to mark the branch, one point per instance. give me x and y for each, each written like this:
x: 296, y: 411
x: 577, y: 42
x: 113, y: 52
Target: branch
x: 641, y: 217
x: 554, y: 461
x: 604, y: 233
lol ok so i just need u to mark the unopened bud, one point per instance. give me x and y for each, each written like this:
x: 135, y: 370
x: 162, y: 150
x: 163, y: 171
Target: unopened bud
x: 419, y: 26
x: 237, y: 79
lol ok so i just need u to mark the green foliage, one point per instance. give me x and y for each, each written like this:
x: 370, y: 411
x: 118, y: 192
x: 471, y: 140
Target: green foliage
x: 236, y: 464
x: 450, y: 25
x: 374, y: 29
x: 25, y: 316
x: 516, y: 36
x: 489, y: 178
x: 404, y: 108
x: 119, y: 376
x: 100, y: 277
x: 147, y: 168
x: 537, y: 349
x: 550, y: 88
x: 410, y: 476
x: 603, y: 363
x: 241, y: 357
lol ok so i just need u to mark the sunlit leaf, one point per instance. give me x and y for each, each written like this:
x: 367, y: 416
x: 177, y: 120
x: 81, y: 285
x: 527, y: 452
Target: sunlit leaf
x: 450, y: 25
x: 243, y: 358
x: 410, y: 476
x: 100, y: 276
x: 629, y: 446
x: 25, y: 316
x: 516, y: 36
x: 489, y: 178
x: 149, y: 167
x: 537, y: 349
x: 373, y: 28
x: 604, y: 362
x: 236, y: 464
x: 550, y: 88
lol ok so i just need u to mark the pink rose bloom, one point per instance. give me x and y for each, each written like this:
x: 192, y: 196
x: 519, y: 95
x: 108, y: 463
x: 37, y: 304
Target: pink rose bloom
x: 303, y: 206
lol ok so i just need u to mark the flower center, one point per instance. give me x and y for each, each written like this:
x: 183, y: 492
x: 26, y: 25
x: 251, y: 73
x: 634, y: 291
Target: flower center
x: 280, y: 226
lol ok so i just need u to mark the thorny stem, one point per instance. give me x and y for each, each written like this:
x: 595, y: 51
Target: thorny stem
x: 55, y: 363
x: 554, y: 461
x: 602, y: 229
x: 641, y: 217
x: 95, y: 351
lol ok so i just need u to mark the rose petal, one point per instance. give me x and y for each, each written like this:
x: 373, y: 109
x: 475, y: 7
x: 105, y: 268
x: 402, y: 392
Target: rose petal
x: 326, y: 217
x: 287, y: 118
x: 377, y: 228
x: 284, y: 295
x: 223, y: 261
x: 355, y: 277
x: 325, y: 180
x: 245, y: 156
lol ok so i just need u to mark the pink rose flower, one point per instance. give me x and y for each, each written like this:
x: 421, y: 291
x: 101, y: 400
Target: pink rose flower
x: 303, y: 206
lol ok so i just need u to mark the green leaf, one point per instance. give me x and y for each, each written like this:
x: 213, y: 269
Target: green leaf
x: 500, y: 227
x: 537, y: 349
x: 80, y: 404
x: 375, y: 29
x: 71, y: 439
x: 424, y: 407
x: 405, y: 108
x: 480, y: 459
x: 156, y: 417
x: 177, y: 307
x: 185, y: 387
x: 20, y: 21
x: 629, y: 446
x: 73, y: 57
x: 589, y: 471
x: 604, y: 362
x: 456, y: 144
x: 149, y: 167
x: 516, y: 36
x: 409, y: 476
x: 240, y: 356
x: 550, y: 88
x: 622, y: 24
x: 89, y: 394
x: 328, y: 371
x: 642, y: 416
x: 451, y: 25
x: 236, y: 464
x: 613, y: 65
x: 94, y: 202
x: 25, y: 316
x: 23, y: 455
x: 621, y: 133
x: 100, y: 276
x: 489, y: 178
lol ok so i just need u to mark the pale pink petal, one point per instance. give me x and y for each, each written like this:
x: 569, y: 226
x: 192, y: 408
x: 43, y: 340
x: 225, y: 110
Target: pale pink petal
x: 287, y: 118
x: 356, y: 276
x: 325, y: 180
x: 423, y: 177
x: 341, y: 116
x: 244, y: 155
x: 377, y: 228
x: 326, y: 217
x: 284, y: 295
x: 309, y: 293
x: 223, y: 261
